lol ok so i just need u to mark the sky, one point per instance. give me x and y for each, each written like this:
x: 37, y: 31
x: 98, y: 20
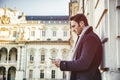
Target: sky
x: 38, y: 7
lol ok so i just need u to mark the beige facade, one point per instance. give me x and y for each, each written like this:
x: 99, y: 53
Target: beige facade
x: 27, y: 45
x: 104, y: 16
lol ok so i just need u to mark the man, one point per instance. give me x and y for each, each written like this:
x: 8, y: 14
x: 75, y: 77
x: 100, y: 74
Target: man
x: 87, y: 54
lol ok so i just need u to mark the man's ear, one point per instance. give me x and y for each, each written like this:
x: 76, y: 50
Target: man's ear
x: 81, y: 23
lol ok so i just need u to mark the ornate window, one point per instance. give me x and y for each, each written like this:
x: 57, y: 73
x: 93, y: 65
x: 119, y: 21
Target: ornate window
x: 14, y: 34
x: 43, y: 33
x: 53, y: 74
x: 13, y: 55
x: 30, y: 74
x: 54, y: 33
x: 32, y: 33
x: 4, y: 32
x: 42, y: 54
x: 65, y: 33
x: 31, y: 57
x: 42, y: 57
x: 3, y: 54
x: 54, y: 53
x: 65, y: 53
x: 41, y: 73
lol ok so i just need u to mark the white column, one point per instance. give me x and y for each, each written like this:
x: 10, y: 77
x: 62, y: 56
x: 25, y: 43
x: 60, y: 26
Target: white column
x: 19, y: 71
x: 118, y: 32
x: 6, y: 73
x: 36, y: 61
x: 18, y: 59
x: 113, y: 73
x: 23, y: 56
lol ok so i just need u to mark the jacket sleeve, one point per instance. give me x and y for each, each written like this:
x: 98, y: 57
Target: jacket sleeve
x: 89, y: 48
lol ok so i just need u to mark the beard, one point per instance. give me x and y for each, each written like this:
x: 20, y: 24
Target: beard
x: 79, y: 31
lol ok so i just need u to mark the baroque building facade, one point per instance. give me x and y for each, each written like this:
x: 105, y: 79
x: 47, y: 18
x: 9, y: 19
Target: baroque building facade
x: 104, y: 16
x: 27, y: 43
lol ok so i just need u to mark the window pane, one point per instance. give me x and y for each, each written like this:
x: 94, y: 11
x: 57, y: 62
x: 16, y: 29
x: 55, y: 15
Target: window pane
x: 43, y: 33
x: 54, y: 33
x: 65, y: 33
x: 42, y: 57
x: 53, y: 55
x: 64, y: 75
x: 33, y: 33
x: 41, y: 73
x: 53, y: 74
x: 14, y: 33
x: 31, y: 74
x: 31, y: 58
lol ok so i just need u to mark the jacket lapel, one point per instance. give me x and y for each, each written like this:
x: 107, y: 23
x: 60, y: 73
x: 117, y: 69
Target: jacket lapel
x: 79, y: 47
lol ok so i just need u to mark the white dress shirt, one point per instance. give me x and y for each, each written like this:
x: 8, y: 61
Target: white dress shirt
x: 80, y: 36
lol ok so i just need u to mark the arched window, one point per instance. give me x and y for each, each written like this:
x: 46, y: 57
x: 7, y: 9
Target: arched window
x: 42, y: 55
x: 3, y: 54
x: 13, y: 55
x: 31, y: 55
x: 54, y: 53
x: 65, y: 53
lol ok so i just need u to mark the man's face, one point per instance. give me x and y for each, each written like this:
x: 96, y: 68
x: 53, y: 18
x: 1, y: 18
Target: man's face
x: 76, y: 27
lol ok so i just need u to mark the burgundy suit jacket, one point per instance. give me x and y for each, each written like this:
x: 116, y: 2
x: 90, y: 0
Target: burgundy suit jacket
x: 87, y: 60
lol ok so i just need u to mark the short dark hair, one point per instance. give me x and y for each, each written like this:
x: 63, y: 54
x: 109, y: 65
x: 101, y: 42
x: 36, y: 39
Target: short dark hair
x: 79, y: 17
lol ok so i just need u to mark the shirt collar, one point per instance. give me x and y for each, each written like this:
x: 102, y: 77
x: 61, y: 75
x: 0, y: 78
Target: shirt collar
x: 84, y: 30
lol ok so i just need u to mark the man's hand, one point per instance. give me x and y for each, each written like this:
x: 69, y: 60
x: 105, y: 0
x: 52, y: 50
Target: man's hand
x: 56, y: 62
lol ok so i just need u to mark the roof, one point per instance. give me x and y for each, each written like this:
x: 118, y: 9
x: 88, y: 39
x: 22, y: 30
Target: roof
x: 47, y: 18
x: 74, y: 1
